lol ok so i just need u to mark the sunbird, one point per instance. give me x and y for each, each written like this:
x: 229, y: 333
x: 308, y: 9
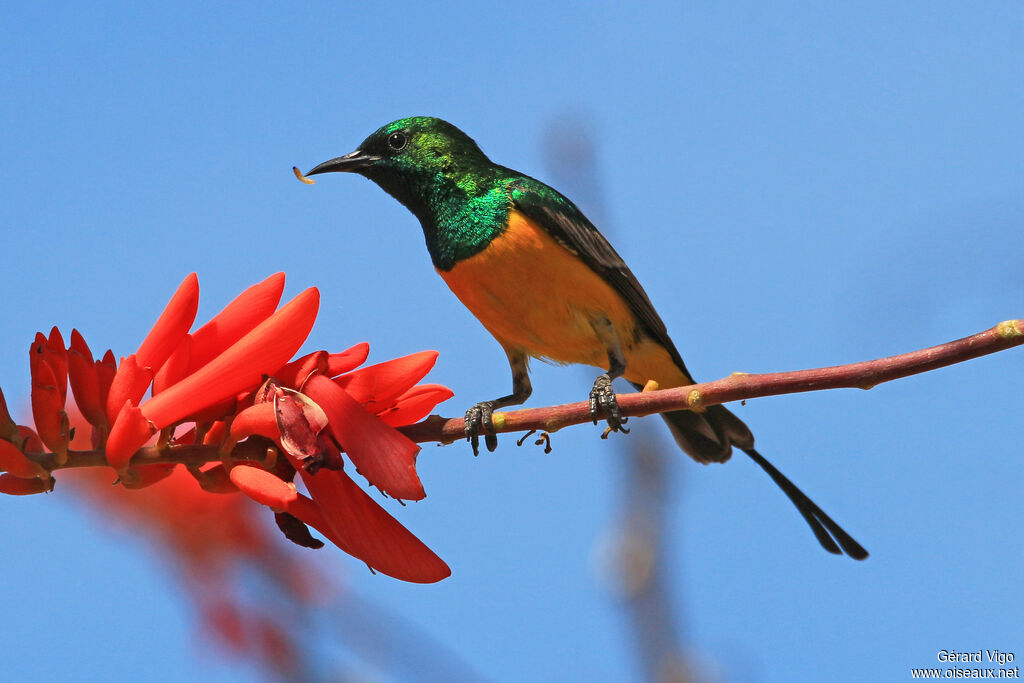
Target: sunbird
x: 547, y: 284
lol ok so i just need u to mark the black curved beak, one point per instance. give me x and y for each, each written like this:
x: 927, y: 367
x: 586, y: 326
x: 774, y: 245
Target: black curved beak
x: 355, y: 161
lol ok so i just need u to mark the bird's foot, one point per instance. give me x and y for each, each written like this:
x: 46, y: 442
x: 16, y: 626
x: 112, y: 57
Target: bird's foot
x: 603, y: 403
x: 478, y: 418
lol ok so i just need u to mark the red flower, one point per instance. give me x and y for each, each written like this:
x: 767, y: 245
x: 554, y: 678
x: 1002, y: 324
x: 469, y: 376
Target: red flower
x: 48, y: 404
x: 173, y: 324
x: 14, y: 461
x: 84, y: 375
x: 8, y: 429
x: 310, y: 410
x: 380, y: 453
x: 128, y: 386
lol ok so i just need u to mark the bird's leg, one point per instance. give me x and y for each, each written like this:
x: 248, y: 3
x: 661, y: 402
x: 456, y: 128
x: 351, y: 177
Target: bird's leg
x: 479, y: 416
x: 602, y: 396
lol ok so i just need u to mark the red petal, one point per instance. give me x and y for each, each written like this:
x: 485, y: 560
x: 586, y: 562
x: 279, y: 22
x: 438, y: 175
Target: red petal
x: 30, y: 441
x: 298, y: 371
x: 215, y: 434
x: 241, y: 367
x: 16, y: 486
x: 175, y: 368
x: 173, y: 324
x: 218, y: 411
x: 228, y: 624
x: 415, y: 404
x: 17, y: 463
x: 129, y: 384
x: 349, y: 359
x: 187, y: 437
x: 130, y: 432
x: 275, y: 644
x: 358, y: 525
x: 248, y: 309
x: 216, y: 480
x: 85, y: 382
x: 56, y: 356
x: 381, y: 454
x: 146, y: 475
x: 48, y: 411
x: 263, y: 487
x: 377, y: 386
x: 8, y: 428
x: 256, y: 419
x: 41, y: 353
x: 106, y: 370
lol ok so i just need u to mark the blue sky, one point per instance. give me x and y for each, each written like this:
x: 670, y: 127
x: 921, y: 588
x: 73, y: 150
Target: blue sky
x: 795, y: 184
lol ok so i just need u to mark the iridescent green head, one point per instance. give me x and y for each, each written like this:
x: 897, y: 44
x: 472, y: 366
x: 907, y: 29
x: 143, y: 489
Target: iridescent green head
x: 419, y: 160
x: 439, y: 174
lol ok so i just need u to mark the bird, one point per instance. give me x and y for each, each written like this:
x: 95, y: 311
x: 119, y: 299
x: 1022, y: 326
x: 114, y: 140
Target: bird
x: 546, y: 283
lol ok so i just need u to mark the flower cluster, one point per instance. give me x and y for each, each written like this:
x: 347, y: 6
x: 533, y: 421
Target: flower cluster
x: 231, y: 385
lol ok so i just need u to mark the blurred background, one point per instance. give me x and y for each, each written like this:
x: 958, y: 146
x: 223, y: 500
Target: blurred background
x: 795, y: 184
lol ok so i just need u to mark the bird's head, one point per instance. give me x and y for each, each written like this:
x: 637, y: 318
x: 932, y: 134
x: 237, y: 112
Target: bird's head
x: 416, y: 159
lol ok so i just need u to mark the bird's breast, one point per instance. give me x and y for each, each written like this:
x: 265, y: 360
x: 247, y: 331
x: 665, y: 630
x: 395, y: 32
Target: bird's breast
x: 533, y: 294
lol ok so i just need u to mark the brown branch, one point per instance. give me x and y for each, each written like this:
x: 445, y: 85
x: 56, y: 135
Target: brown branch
x: 863, y: 375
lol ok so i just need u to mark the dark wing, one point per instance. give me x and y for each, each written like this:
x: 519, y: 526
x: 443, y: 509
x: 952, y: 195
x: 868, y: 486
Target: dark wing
x: 708, y: 437
x: 566, y: 223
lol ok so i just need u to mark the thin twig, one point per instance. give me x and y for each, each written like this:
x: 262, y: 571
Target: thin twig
x: 863, y: 375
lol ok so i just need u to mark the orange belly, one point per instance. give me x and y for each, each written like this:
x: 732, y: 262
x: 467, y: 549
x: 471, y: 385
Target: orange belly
x: 535, y: 296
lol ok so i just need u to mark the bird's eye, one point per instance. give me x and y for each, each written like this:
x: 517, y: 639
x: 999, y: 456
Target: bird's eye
x: 397, y: 141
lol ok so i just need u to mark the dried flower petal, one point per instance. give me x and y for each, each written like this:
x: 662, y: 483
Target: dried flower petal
x: 295, y: 530
x: 300, y: 422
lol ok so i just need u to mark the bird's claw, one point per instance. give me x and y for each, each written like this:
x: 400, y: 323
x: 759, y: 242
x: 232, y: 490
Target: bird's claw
x: 603, y: 404
x: 477, y: 417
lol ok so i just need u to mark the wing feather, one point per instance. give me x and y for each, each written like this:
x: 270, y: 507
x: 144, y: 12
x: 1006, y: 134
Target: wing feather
x: 569, y: 227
